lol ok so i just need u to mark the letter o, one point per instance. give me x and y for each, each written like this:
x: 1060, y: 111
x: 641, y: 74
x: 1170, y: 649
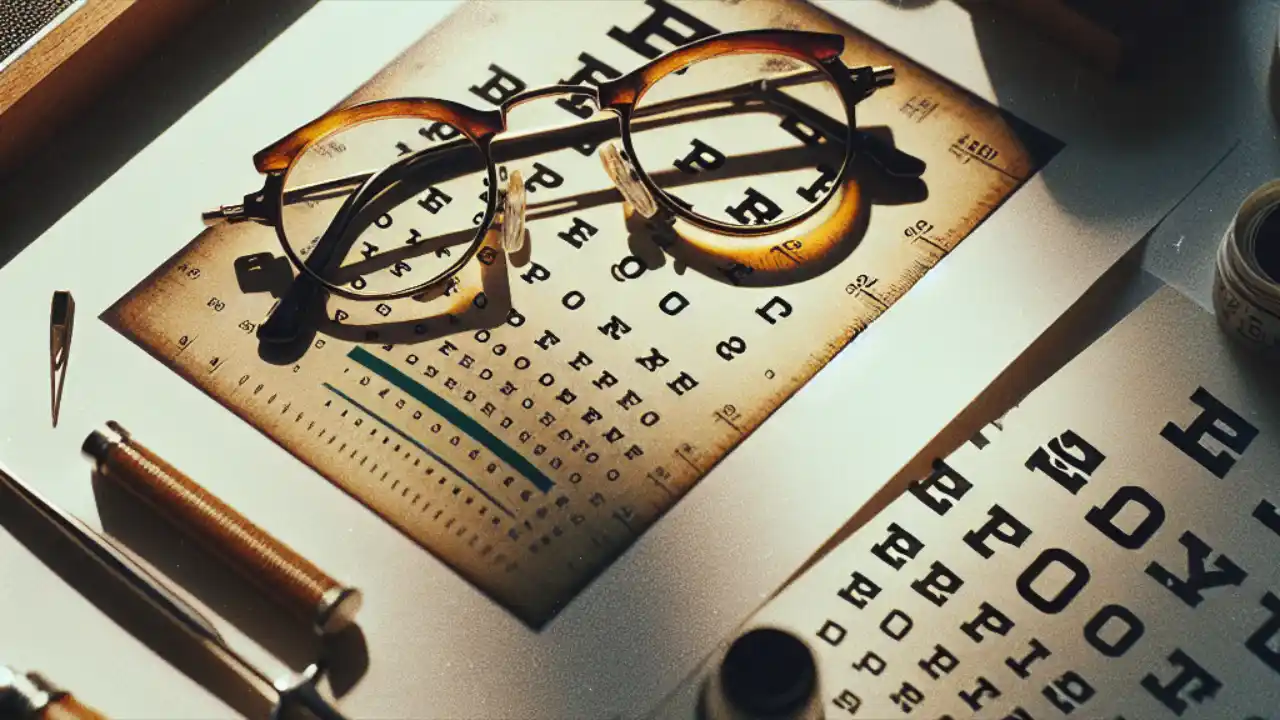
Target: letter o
x: 573, y: 299
x: 1065, y: 594
x: 1133, y: 630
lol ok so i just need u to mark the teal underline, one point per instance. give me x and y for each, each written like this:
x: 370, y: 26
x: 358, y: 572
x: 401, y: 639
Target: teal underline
x: 450, y: 412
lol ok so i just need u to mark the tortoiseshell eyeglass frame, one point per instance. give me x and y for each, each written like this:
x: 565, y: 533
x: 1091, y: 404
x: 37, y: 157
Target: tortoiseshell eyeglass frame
x: 820, y: 51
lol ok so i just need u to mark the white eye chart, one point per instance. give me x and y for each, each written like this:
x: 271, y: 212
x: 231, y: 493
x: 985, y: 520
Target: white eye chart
x: 1107, y: 550
x: 528, y: 425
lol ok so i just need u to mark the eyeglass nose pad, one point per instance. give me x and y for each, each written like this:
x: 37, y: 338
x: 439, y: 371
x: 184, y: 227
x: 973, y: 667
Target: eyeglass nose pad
x: 513, y: 206
x: 627, y: 180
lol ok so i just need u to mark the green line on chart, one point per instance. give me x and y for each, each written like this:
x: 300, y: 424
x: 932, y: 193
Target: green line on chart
x: 449, y: 412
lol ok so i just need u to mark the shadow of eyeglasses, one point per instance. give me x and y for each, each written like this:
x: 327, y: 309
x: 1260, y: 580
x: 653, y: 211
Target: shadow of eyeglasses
x: 742, y: 166
x: 405, y: 182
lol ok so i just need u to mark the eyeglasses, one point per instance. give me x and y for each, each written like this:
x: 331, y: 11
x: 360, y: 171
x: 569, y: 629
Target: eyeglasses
x: 738, y: 134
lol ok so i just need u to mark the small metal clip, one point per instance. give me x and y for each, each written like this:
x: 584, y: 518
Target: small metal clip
x: 62, y: 316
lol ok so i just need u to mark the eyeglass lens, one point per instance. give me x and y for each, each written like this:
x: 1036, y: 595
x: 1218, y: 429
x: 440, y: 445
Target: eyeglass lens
x: 414, y: 215
x: 742, y: 139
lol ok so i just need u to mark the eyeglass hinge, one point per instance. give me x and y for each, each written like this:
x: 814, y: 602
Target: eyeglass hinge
x: 255, y: 208
x: 224, y: 214
x: 867, y: 80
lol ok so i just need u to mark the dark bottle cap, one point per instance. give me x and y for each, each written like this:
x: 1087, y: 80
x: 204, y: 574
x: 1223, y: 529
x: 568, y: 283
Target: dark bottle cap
x: 768, y: 672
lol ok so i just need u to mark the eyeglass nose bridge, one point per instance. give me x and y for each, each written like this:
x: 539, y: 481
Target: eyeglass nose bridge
x: 591, y: 92
x: 619, y: 169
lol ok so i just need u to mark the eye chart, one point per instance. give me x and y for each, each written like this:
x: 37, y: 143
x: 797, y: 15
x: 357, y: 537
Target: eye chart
x: 529, y: 424
x: 1107, y: 551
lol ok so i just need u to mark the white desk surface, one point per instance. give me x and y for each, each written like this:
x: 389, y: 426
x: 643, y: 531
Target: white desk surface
x: 436, y: 649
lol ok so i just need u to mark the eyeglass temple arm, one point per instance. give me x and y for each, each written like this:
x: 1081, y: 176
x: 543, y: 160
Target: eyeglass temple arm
x: 866, y: 81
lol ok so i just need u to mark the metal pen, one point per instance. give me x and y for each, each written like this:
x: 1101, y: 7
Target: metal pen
x: 296, y: 689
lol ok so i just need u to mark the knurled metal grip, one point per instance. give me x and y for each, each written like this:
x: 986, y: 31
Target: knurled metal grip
x: 282, y: 573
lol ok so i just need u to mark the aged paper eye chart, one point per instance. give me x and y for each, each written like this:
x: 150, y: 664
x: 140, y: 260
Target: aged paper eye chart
x: 530, y: 424
x: 1106, y: 551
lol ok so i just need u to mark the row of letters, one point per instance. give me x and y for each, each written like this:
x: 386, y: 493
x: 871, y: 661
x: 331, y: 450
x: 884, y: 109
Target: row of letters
x: 1114, y: 629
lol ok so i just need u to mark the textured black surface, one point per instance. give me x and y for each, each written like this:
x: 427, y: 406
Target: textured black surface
x: 20, y: 20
